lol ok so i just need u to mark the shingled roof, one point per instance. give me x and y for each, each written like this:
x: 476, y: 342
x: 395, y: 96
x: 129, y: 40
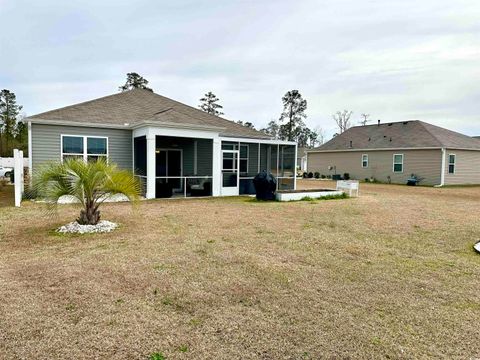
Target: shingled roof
x: 139, y: 106
x: 399, y: 135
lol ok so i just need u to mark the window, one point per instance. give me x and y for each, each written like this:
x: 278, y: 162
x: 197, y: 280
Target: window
x: 244, y: 159
x: 398, y: 163
x: 451, y: 163
x: 88, y: 148
x: 364, y: 161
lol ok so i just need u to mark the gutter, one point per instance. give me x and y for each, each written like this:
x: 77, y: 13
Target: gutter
x: 126, y: 126
x: 376, y: 149
x: 442, y: 175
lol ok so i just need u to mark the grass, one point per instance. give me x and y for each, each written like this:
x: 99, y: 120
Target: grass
x: 389, y: 274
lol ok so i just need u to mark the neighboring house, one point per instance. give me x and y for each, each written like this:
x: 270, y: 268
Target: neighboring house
x: 172, y: 147
x: 392, y: 152
x: 302, y: 158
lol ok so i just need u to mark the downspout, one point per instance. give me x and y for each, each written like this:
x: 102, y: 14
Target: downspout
x: 442, y: 175
x: 30, y: 152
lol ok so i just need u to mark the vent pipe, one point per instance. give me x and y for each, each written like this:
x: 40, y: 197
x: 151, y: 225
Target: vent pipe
x: 378, y: 122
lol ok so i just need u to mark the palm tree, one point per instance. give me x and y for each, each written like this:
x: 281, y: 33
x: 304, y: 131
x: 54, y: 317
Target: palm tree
x: 91, y: 183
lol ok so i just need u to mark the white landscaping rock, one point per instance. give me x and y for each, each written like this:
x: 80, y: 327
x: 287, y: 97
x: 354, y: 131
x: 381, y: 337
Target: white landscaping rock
x: 68, y: 199
x: 477, y: 247
x: 74, y: 227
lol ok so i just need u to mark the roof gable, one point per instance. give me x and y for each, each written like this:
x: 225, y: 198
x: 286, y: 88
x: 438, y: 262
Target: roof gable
x: 137, y: 106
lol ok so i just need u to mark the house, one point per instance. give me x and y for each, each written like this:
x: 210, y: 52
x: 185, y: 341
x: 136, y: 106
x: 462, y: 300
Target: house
x: 173, y: 148
x: 392, y: 152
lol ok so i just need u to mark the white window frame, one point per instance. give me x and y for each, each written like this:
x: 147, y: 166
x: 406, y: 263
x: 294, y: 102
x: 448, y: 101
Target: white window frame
x: 85, y: 155
x: 363, y: 155
x: 240, y: 158
x: 454, y: 164
x: 396, y: 163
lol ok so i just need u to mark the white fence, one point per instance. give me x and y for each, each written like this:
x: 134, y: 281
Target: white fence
x: 10, y: 162
x: 19, y: 176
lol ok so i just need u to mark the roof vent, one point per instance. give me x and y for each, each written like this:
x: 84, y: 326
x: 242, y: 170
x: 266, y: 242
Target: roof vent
x: 351, y: 144
x: 390, y: 139
x: 378, y: 122
x: 405, y: 122
x: 390, y: 124
x: 369, y: 139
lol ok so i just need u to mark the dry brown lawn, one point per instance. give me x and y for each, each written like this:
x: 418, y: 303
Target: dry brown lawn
x: 390, y: 274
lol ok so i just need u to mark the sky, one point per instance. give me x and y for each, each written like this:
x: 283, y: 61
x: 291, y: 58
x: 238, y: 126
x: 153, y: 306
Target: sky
x: 393, y: 59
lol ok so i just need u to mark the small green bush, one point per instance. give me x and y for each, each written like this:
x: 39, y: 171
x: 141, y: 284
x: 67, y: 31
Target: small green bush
x: 310, y: 175
x: 323, y: 176
x: 157, y: 356
x: 346, y: 176
x: 317, y: 175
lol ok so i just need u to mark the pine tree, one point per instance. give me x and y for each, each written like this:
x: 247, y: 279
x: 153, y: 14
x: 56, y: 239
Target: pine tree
x: 9, y: 111
x: 294, y: 107
x: 247, y: 124
x: 272, y: 129
x: 134, y: 81
x: 209, y: 104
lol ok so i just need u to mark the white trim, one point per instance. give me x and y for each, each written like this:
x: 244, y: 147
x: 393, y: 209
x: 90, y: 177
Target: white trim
x: 365, y: 167
x: 164, y: 131
x: 442, y: 174
x: 295, y: 169
x: 216, y: 167
x: 394, y: 163
x: 85, y: 154
x: 30, y: 152
x: 133, y: 154
x: 255, y: 140
x: 231, y: 190
x: 151, y: 167
x: 454, y: 164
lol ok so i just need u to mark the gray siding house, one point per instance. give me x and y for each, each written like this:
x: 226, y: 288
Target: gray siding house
x: 173, y: 148
x: 392, y: 152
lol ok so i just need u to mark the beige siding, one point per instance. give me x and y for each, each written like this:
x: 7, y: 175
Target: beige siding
x: 467, y: 167
x: 424, y: 163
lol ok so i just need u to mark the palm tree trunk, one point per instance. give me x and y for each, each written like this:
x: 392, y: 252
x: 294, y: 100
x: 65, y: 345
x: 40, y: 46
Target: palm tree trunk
x: 90, y: 215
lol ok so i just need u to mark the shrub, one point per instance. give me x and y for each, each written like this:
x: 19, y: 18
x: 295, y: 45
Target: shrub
x: 30, y: 193
x: 157, y: 356
x: 310, y: 175
x: 323, y: 176
x: 89, y: 182
x: 346, y: 176
x: 305, y: 175
x: 317, y: 175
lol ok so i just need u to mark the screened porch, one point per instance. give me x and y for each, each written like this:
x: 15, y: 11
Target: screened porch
x: 186, y: 166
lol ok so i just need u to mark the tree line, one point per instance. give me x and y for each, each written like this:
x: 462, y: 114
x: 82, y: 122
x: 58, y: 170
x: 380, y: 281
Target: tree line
x: 289, y: 126
x: 13, y: 131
